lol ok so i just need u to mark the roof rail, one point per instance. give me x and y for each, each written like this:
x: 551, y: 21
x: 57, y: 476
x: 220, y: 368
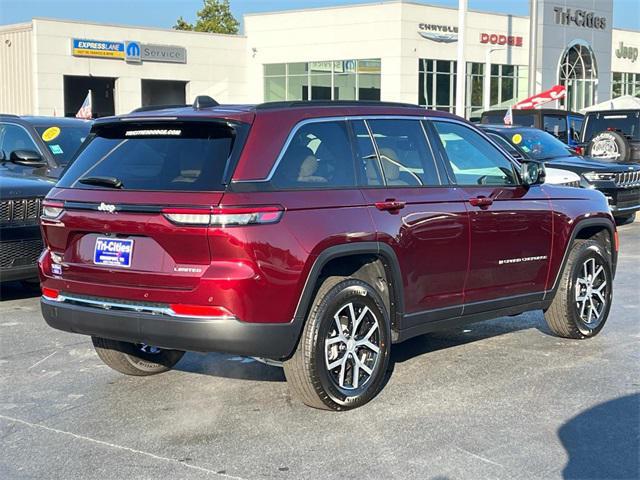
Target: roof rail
x: 204, y: 101
x: 333, y: 103
x: 12, y: 115
x: 150, y: 108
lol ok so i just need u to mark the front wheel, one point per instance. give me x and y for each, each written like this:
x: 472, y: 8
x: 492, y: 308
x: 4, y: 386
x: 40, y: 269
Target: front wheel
x: 583, y: 299
x: 342, y: 357
x: 135, y: 358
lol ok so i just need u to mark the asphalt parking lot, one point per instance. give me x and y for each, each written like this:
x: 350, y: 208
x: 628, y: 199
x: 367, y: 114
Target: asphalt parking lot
x: 501, y: 399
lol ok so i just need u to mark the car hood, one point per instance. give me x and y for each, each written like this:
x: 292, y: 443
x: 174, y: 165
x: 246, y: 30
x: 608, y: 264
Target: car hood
x: 18, y: 186
x: 589, y: 164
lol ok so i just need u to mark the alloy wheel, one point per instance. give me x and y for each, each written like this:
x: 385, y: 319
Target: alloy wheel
x: 352, y: 346
x: 591, y: 290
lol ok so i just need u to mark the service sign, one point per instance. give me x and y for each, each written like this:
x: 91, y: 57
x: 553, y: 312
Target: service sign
x: 96, y: 48
x: 163, y: 53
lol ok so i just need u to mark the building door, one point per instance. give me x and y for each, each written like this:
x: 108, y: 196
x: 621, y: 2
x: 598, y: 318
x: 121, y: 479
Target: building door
x: 163, y: 92
x: 76, y: 89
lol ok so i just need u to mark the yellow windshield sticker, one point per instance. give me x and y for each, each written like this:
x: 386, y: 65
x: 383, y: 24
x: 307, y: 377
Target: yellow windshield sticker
x: 517, y: 138
x: 50, y: 133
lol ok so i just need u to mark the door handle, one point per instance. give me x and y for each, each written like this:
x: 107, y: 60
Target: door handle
x: 390, y: 205
x: 481, y: 201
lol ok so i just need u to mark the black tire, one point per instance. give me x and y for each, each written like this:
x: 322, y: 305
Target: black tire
x: 564, y: 315
x: 610, y: 146
x: 131, y: 359
x: 307, y: 370
x: 625, y: 220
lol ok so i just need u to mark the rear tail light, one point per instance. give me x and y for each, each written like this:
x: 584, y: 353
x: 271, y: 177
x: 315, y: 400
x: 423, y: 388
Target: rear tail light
x: 616, y: 241
x: 224, y: 216
x: 50, y: 293
x: 200, y: 311
x: 579, y: 150
x: 52, y: 210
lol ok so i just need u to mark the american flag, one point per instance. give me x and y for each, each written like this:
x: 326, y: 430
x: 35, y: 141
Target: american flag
x: 85, y: 109
x: 508, y: 117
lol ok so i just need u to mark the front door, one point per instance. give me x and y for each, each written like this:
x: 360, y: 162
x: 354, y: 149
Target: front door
x: 511, y: 224
x: 416, y: 213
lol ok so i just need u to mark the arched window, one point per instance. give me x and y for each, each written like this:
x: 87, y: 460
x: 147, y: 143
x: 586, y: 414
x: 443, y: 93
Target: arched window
x: 578, y: 72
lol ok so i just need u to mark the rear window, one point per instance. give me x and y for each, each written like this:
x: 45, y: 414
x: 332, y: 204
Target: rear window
x: 627, y: 123
x: 177, y: 156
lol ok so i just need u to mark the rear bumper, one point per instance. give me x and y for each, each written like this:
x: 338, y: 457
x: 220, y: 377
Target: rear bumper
x: 275, y: 341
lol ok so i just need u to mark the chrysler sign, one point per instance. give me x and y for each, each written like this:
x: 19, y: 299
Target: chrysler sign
x: 438, y: 33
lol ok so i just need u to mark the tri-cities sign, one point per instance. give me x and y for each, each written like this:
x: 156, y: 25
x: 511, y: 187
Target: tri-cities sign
x: 579, y: 18
x: 130, y: 51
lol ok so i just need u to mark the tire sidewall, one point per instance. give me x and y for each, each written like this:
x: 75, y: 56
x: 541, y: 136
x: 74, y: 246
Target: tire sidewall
x: 589, y: 251
x: 340, y: 295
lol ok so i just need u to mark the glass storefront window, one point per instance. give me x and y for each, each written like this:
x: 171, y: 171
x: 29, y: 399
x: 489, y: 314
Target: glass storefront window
x: 357, y: 79
x: 625, y: 83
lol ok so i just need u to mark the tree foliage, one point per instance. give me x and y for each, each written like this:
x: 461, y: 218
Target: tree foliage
x: 215, y: 17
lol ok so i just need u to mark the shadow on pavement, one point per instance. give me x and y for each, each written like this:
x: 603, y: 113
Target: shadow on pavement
x: 604, y: 441
x: 18, y: 290
x: 229, y: 366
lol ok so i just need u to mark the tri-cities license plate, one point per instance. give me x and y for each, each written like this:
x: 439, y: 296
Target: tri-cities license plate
x: 113, y: 252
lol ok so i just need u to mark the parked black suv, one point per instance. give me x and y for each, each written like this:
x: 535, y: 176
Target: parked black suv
x: 33, y: 153
x: 562, y: 124
x: 620, y: 182
x: 612, y: 135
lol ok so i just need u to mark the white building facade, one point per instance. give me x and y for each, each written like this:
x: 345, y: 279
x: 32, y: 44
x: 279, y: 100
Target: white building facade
x: 395, y: 51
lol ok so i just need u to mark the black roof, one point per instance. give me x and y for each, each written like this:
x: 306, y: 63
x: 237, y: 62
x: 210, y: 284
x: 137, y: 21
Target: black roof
x: 44, y: 120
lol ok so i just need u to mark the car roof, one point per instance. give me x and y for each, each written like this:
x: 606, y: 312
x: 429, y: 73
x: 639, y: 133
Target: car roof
x: 497, y: 126
x: 530, y: 110
x: 302, y: 109
x: 613, y: 112
x: 44, y: 120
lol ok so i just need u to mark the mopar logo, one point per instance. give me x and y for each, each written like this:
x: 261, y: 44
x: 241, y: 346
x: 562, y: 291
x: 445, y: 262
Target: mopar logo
x: 132, y: 52
x: 106, y: 207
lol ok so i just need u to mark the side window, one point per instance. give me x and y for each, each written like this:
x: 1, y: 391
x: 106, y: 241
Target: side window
x: 556, y: 126
x: 318, y: 156
x: 575, y: 127
x: 14, y: 137
x: 405, y: 155
x: 473, y: 160
x: 366, y: 157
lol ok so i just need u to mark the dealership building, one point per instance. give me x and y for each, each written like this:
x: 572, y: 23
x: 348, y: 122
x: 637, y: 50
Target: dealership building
x: 395, y: 50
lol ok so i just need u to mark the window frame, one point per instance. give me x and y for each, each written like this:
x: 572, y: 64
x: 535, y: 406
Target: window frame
x: 447, y: 164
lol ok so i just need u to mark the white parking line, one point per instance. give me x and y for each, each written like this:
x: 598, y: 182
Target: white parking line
x: 119, y: 447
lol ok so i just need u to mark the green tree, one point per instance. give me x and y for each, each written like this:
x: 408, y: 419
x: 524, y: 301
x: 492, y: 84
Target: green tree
x: 215, y: 17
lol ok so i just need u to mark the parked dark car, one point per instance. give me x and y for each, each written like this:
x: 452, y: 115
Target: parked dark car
x: 562, y: 124
x: 620, y: 182
x: 33, y: 152
x: 612, y: 135
x: 313, y: 233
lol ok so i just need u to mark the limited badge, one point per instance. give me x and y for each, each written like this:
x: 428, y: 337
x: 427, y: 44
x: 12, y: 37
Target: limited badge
x: 50, y: 133
x: 517, y: 138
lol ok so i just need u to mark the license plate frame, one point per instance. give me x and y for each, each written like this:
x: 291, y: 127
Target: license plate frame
x: 113, y: 252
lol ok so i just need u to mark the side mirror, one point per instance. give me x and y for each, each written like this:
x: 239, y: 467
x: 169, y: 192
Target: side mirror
x: 533, y: 173
x: 28, y: 158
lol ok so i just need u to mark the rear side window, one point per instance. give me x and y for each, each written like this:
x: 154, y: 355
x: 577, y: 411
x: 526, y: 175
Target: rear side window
x: 405, y: 155
x: 318, y: 155
x: 164, y: 157
x: 474, y: 161
x: 63, y: 142
x: 556, y: 126
x: 575, y: 127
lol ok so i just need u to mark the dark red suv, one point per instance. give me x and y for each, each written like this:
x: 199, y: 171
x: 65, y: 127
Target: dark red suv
x: 316, y: 234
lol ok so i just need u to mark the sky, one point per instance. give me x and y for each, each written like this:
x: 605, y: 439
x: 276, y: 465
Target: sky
x: 163, y: 13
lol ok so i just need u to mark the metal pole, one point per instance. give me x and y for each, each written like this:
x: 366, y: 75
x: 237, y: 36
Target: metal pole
x: 461, y: 70
x: 533, y: 46
x: 486, y: 94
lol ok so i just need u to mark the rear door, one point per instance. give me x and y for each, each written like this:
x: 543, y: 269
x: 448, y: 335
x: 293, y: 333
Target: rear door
x: 416, y: 213
x: 131, y: 194
x: 510, y: 223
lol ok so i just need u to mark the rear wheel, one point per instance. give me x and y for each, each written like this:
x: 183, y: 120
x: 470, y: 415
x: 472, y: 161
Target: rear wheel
x: 342, y: 357
x: 135, y: 358
x: 583, y: 299
x: 609, y: 145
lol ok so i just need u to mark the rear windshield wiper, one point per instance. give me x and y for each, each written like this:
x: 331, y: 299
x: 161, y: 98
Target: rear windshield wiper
x: 111, y: 182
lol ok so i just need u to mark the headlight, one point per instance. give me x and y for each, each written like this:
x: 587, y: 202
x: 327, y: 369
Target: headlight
x: 596, y: 176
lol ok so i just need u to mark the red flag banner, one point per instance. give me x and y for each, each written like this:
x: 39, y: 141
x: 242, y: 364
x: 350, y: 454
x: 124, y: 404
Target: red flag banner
x: 555, y: 93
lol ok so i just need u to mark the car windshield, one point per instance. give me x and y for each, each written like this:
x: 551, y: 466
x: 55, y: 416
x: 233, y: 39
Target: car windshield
x: 537, y: 144
x: 63, y: 141
x: 626, y: 123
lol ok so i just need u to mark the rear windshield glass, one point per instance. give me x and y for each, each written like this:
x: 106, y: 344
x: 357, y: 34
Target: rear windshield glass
x: 63, y: 142
x: 177, y: 156
x: 627, y: 123
x: 497, y: 118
